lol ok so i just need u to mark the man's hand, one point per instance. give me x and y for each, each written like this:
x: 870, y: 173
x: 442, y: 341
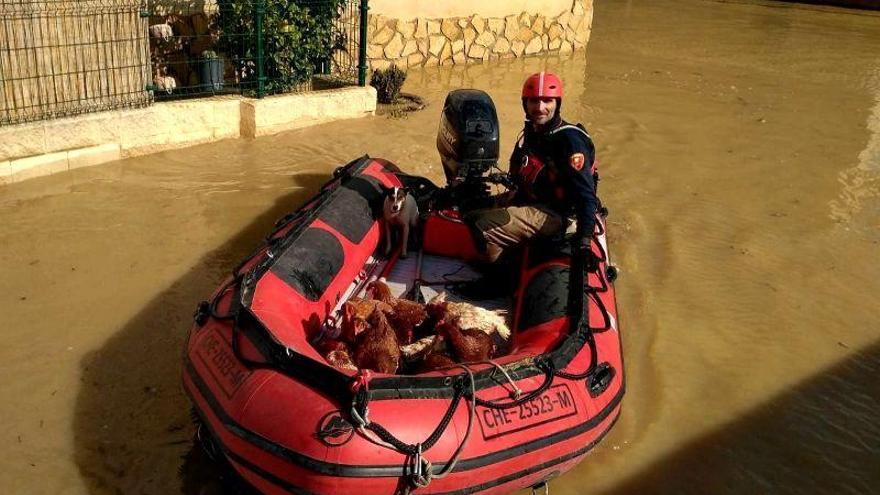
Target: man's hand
x: 503, y: 179
x: 581, y: 243
x: 582, y: 250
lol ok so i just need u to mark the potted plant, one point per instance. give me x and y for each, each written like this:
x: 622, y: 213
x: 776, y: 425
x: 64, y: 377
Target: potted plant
x: 210, y: 67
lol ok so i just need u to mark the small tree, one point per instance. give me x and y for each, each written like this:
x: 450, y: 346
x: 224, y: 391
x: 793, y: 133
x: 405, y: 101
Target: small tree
x: 388, y: 83
x: 297, y: 36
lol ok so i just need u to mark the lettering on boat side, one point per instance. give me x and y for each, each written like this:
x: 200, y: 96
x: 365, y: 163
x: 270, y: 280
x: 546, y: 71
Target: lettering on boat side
x: 554, y: 404
x: 334, y: 430
x: 224, y: 368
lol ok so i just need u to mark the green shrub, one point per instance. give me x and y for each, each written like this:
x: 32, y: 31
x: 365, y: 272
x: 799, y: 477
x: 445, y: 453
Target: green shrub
x: 297, y: 37
x: 388, y: 83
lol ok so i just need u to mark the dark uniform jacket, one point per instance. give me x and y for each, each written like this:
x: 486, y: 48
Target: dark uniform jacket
x: 556, y: 168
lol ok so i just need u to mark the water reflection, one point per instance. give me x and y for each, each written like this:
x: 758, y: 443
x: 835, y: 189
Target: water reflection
x: 858, y: 205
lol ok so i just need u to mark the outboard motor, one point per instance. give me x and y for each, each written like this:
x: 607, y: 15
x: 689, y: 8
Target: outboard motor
x: 468, y: 139
x: 468, y: 144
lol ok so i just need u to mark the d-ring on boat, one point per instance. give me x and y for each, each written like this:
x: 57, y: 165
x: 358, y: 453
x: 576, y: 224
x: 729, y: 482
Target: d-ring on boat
x: 288, y: 422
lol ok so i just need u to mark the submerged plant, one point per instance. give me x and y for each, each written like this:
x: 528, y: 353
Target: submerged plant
x: 388, y: 83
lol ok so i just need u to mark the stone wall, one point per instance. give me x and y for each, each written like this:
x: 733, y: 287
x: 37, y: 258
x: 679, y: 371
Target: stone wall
x: 470, y: 39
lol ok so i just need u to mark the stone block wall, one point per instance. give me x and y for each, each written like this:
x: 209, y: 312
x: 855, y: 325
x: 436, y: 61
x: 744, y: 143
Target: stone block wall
x: 473, y: 39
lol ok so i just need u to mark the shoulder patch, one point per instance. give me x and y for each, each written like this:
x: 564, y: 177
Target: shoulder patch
x: 577, y: 161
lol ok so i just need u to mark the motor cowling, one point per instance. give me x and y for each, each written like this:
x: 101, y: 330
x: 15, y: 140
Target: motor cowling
x: 468, y: 136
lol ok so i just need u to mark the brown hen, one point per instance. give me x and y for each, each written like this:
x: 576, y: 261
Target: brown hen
x: 355, y: 313
x: 341, y: 359
x: 338, y: 354
x: 469, y: 316
x: 436, y: 361
x: 404, y: 316
x: 468, y: 344
x: 378, y: 348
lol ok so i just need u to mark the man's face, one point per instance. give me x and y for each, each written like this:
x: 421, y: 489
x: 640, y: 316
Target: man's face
x: 540, y: 110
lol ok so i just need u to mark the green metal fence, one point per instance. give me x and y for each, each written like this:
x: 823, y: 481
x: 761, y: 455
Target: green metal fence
x: 64, y: 57
x: 257, y: 47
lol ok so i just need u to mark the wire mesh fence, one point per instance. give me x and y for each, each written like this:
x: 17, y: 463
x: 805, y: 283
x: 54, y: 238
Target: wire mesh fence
x: 63, y: 57
x: 253, y: 46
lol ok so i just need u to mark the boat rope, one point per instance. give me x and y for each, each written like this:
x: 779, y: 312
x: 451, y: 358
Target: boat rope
x: 549, y: 372
x: 363, y: 420
x: 545, y: 485
x: 233, y: 282
x: 423, y: 470
x: 361, y: 384
x: 587, y: 332
x: 516, y: 393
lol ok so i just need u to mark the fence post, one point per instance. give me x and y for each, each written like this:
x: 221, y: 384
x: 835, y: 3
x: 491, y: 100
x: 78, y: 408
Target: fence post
x: 144, y: 16
x: 259, y: 11
x: 362, y: 49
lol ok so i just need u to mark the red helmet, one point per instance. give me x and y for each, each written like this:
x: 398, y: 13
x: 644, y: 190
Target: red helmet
x: 542, y: 85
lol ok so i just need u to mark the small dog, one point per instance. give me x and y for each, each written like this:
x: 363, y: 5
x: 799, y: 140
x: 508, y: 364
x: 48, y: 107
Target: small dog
x: 399, y: 210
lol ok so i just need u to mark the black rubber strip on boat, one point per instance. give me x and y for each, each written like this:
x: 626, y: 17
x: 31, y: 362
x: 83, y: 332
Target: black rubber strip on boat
x: 291, y: 488
x: 310, y: 264
x: 545, y: 298
x: 260, y: 269
x: 344, y: 470
x: 359, y: 202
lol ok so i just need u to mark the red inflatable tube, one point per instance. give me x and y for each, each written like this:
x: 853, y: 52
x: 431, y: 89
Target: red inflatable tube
x: 289, y: 423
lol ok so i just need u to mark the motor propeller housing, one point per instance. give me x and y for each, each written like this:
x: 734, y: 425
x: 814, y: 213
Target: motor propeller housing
x: 468, y: 135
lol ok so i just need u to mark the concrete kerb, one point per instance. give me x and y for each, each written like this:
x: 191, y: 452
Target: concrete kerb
x: 275, y: 114
x: 5, y: 172
x: 43, y: 148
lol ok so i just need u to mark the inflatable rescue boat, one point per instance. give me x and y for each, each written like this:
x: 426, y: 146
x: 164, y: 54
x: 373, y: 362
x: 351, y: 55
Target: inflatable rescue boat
x: 289, y: 422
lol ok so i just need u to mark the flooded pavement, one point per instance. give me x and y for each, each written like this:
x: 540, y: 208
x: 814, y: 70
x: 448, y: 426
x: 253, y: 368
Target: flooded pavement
x: 739, y: 146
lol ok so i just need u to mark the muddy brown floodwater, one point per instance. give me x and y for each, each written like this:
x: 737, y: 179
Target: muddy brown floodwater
x: 739, y: 146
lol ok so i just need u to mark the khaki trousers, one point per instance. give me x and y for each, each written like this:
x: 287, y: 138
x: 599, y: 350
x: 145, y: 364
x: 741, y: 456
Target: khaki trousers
x: 497, y: 229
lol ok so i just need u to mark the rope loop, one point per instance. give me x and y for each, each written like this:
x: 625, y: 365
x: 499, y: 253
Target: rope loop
x: 544, y: 484
x: 422, y: 470
x: 361, y: 420
x: 543, y: 364
x: 515, y: 392
x: 212, y: 306
x: 360, y: 400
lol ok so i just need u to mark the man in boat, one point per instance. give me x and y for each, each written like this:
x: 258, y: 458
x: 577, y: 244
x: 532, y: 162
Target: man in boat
x: 552, y: 170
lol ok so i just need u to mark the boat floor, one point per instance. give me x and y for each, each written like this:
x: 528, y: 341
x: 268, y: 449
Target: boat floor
x: 439, y: 274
